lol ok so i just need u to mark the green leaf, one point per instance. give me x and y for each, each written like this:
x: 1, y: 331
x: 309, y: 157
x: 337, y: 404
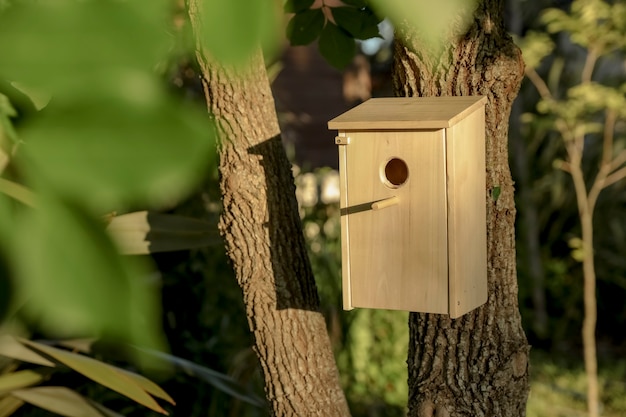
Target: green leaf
x: 556, y: 20
x: 495, y: 193
x: 360, y: 23
x: 143, y: 232
x: 297, y: 6
x: 233, y: 30
x: 433, y: 22
x: 59, y: 400
x: 80, y: 284
x: 104, y: 374
x: 6, y: 286
x: 535, y: 47
x: 221, y: 381
x: 133, y: 148
x: 305, y: 27
x: 8, y: 405
x: 578, y: 255
x: 337, y: 46
x: 78, y: 345
x: 355, y: 3
x: 20, y: 379
x: 148, y: 386
x: 11, y: 348
x: 597, y: 25
x: 17, y: 192
x: 78, y: 41
x: 6, y: 108
x: 7, y: 111
x: 105, y: 411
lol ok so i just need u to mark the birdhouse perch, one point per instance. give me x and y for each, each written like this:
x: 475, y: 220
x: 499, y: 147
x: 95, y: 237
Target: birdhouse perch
x: 413, y: 217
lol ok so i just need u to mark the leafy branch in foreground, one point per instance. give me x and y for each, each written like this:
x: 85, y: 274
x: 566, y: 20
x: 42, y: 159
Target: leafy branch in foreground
x: 28, y: 370
x: 336, y: 27
x: 20, y: 385
x: 108, y: 138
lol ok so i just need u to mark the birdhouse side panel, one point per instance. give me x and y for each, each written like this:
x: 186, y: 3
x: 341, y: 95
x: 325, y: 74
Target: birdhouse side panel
x: 398, y: 252
x: 467, y: 214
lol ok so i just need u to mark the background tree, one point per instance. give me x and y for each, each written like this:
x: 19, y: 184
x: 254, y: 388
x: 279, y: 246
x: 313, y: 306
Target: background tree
x: 589, y: 110
x: 263, y: 235
x: 477, y: 364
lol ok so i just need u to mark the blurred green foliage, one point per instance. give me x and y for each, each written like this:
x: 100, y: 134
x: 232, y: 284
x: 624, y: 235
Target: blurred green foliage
x: 108, y: 136
x: 433, y: 25
x: 232, y: 30
x: 576, y: 57
x: 558, y: 387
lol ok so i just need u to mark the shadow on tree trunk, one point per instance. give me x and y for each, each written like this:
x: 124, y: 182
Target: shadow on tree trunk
x: 299, y: 294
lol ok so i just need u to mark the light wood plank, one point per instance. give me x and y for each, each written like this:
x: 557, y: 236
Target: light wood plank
x: 343, y: 204
x: 467, y: 214
x: 398, y: 256
x: 407, y: 113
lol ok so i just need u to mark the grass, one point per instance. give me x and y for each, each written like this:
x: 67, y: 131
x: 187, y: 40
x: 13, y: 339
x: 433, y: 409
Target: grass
x: 558, y: 387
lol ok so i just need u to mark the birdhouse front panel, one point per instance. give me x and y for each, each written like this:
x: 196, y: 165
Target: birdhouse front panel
x: 407, y: 238
x: 413, y: 217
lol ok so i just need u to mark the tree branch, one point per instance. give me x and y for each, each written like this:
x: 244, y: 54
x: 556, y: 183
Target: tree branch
x: 608, y: 164
x: 590, y: 63
x: 615, y: 177
x: 618, y: 161
x: 564, y: 166
x: 609, y: 134
x: 540, y: 84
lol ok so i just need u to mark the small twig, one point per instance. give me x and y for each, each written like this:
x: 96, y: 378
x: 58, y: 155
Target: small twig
x: 609, y: 134
x: 590, y: 63
x: 614, y: 177
x: 565, y: 166
x: 608, y: 174
x: 575, y: 149
x: 618, y: 161
x: 540, y: 84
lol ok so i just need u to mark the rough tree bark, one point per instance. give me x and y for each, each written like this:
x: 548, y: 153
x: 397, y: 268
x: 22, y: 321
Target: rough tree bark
x: 262, y: 232
x: 476, y: 365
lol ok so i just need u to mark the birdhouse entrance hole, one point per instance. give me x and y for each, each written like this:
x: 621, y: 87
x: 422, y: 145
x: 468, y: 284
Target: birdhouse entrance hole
x: 395, y: 172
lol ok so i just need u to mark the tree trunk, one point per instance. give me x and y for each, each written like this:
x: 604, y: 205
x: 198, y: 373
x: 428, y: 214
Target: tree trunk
x: 263, y: 236
x: 476, y: 365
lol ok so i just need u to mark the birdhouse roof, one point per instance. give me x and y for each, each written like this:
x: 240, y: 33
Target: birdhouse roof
x: 393, y: 113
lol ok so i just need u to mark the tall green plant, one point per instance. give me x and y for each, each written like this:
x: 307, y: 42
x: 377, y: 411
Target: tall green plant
x: 588, y: 112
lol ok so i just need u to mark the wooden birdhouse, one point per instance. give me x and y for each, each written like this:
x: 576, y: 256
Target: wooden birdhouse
x: 413, y: 217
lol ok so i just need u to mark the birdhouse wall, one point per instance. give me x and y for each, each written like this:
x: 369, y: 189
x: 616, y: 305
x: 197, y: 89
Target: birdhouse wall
x: 397, y: 256
x: 467, y: 235
x: 413, y: 204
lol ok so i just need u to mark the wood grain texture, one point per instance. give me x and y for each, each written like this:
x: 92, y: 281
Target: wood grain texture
x: 426, y: 252
x: 467, y: 231
x: 262, y: 231
x: 407, y: 113
x: 397, y: 257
